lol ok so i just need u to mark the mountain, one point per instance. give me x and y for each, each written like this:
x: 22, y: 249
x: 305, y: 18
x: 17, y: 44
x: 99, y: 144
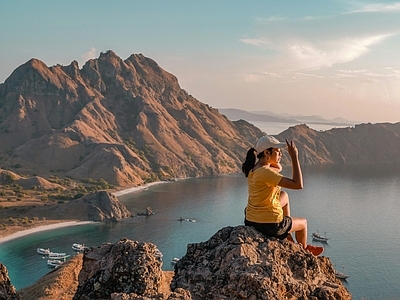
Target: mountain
x: 129, y: 122
x: 237, y: 114
x: 126, y: 121
x: 361, y: 144
x: 268, y: 116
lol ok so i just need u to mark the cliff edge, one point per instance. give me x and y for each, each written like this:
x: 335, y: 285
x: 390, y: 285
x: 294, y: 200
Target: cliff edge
x: 235, y: 263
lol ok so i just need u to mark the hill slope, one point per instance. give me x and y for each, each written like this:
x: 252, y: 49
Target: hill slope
x: 126, y: 121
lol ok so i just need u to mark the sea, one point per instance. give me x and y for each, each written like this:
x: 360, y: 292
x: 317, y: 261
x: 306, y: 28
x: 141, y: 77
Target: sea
x: 356, y: 207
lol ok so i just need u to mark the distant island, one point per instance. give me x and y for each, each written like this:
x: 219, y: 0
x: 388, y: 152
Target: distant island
x: 268, y: 116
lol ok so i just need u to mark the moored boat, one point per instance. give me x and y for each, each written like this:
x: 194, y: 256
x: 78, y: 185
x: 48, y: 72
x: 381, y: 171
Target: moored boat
x: 319, y: 238
x: 78, y: 247
x: 341, y: 275
x: 58, y: 256
x: 43, y: 251
x: 54, y: 263
x: 158, y: 254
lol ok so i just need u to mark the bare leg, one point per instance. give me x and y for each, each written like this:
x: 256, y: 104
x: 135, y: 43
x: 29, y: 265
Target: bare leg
x: 299, y: 227
x: 284, y: 200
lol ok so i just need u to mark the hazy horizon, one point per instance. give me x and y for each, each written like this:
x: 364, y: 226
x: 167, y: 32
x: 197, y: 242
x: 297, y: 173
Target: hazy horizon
x: 335, y: 59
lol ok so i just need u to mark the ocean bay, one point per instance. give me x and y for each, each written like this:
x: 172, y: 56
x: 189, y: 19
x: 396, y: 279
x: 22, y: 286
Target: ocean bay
x: 357, y: 207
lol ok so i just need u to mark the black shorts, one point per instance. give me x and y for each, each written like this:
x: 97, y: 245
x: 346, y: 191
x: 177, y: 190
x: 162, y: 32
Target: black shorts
x: 278, y: 230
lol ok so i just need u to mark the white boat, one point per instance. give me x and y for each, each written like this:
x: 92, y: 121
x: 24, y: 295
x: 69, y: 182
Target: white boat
x: 319, y: 238
x: 78, y: 247
x: 43, y: 251
x: 158, y: 254
x: 341, y: 275
x: 57, y: 256
x: 174, y: 260
x: 54, y: 263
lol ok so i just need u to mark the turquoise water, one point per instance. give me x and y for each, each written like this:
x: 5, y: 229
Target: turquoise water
x: 357, y: 207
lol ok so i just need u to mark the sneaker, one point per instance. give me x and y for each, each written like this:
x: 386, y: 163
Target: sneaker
x: 316, y: 250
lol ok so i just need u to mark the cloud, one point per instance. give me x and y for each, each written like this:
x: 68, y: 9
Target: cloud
x: 92, y: 53
x: 380, y: 7
x: 270, y: 74
x: 256, y: 42
x: 311, y: 56
x: 388, y: 73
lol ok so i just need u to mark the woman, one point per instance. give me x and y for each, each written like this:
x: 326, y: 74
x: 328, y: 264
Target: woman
x: 268, y: 208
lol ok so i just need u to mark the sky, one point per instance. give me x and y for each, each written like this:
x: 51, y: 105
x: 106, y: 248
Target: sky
x: 327, y: 58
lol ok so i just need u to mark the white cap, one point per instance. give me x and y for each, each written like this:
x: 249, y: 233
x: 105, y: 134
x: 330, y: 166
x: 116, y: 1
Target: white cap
x: 268, y: 141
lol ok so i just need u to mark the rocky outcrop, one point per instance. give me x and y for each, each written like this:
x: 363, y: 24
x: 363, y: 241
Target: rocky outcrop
x: 59, y: 284
x: 235, y: 263
x: 124, y: 270
x: 240, y: 263
x: 7, y: 290
x: 98, y: 207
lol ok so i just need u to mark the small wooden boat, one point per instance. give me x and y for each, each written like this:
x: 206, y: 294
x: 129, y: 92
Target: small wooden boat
x: 319, y: 238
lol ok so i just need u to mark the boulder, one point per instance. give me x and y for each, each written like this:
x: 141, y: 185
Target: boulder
x: 124, y: 270
x: 240, y: 263
x: 98, y: 206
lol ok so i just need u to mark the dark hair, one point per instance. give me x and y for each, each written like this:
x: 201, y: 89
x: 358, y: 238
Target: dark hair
x: 250, y: 160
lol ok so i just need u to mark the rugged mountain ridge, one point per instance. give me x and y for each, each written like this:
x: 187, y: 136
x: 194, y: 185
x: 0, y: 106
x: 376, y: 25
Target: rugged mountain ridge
x: 129, y: 122
x: 126, y: 121
x: 361, y: 144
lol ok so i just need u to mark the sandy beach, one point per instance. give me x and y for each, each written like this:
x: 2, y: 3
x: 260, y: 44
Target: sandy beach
x: 136, y: 188
x: 22, y: 233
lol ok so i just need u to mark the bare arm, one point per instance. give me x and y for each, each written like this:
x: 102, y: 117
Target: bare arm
x: 296, y: 182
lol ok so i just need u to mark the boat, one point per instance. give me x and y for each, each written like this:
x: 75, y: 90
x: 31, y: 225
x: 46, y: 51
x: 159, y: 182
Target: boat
x: 54, y: 263
x: 174, y: 260
x: 78, y: 247
x: 341, y: 275
x: 158, y: 254
x: 187, y: 220
x: 57, y: 256
x: 43, y: 251
x: 319, y: 238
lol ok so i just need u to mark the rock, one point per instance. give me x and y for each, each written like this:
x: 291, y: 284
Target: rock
x: 98, y: 206
x: 240, y: 263
x: 236, y: 263
x: 58, y: 284
x: 7, y: 290
x: 124, y: 270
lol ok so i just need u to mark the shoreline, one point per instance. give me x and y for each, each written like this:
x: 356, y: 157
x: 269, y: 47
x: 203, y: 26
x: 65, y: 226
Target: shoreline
x: 41, y: 228
x: 137, y: 188
x: 61, y: 223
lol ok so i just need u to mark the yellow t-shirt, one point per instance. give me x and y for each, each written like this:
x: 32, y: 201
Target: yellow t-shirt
x: 263, y: 204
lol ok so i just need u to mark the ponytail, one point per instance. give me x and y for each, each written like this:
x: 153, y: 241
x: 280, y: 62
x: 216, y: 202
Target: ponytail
x: 249, y: 162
